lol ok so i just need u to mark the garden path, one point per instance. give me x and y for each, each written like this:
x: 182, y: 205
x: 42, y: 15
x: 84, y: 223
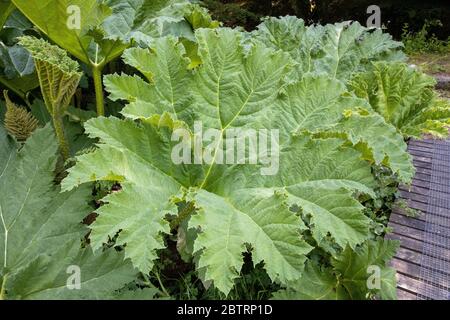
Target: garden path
x: 423, y: 259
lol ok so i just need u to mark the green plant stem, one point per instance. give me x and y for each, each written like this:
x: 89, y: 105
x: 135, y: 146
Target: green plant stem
x: 59, y: 129
x: 3, y: 288
x: 161, y: 284
x: 99, y: 98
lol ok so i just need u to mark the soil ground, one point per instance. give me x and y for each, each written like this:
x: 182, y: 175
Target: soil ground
x: 437, y: 65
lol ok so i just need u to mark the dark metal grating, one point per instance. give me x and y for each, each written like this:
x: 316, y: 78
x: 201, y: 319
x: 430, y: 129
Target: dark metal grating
x: 435, y: 273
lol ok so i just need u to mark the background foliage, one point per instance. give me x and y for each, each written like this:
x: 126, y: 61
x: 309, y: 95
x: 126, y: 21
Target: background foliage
x: 394, y: 13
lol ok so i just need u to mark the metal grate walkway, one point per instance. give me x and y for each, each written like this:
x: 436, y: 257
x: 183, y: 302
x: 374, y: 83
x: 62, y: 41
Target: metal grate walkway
x: 423, y: 260
x: 437, y: 227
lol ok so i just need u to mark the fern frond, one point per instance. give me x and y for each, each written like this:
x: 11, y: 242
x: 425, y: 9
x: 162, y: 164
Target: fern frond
x: 18, y: 121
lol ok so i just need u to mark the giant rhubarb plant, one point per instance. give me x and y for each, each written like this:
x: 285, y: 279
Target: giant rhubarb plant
x: 58, y: 78
x: 234, y: 208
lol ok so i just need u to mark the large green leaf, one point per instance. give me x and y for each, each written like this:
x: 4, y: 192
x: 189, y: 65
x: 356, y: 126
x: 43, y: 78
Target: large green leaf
x: 106, y: 28
x: 46, y: 277
x: 24, y: 201
x: 145, y: 179
x: 314, y: 104
x: 16, y: 60
x: 338, y: 50
x: 317, y: 283
x: 258, y: 219
x: 385, y: 145
x: 235, y: 87
x: 356, y: 267
x: 318, y: 102
x: 52, y: 16
x: 145, y: 20
x: 405, y: 98
x: 16, y: 25
x: 350, y: 275
x: 41, y: 230
x: 16, y: 63
x: 6, y: 8
x: 322, y: 104
x: 20, y: 86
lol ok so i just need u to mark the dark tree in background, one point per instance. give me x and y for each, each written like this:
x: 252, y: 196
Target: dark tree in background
x: 248, y: 13
x: 394, y: 13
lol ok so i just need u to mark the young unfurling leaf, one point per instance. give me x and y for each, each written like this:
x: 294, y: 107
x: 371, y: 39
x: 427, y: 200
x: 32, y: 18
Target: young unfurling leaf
x: 405, y: 98
x: 58, y: 77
